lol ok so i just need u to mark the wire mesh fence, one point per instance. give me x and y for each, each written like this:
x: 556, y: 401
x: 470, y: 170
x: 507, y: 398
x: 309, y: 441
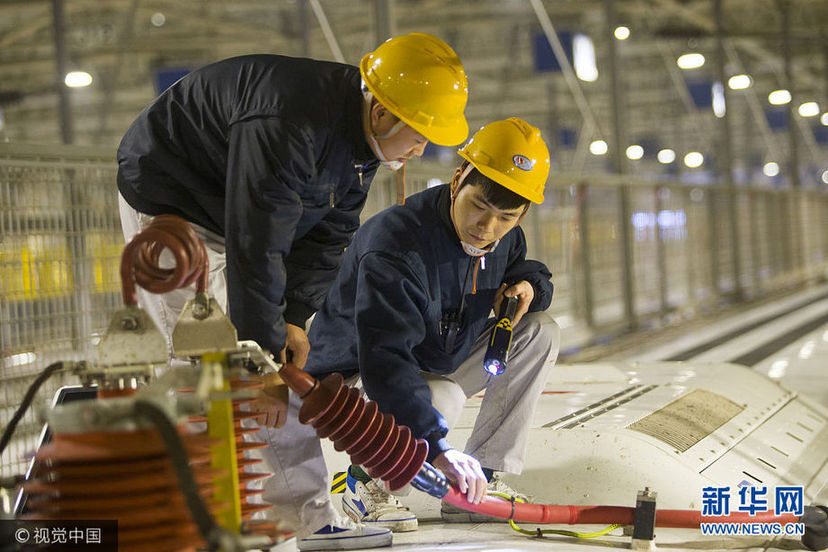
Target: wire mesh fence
x: 60, y: 245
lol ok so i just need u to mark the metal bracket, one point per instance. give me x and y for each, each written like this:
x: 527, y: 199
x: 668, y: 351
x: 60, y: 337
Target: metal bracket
x: 132, y: 340
x: 202, y: 327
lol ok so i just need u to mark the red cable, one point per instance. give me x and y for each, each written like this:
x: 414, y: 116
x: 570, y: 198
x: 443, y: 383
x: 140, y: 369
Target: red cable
x: 572, y: 515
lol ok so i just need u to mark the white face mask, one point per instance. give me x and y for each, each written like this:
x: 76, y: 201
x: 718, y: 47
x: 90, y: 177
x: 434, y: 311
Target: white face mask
x: 473, y: 251
x: 469, y: 249
x: 377, y: 149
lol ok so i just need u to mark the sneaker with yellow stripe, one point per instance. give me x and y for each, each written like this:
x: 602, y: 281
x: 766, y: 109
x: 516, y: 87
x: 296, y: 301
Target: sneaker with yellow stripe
x: 370, y: 504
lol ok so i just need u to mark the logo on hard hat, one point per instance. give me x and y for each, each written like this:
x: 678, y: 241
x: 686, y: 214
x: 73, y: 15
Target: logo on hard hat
x: 523, y: 163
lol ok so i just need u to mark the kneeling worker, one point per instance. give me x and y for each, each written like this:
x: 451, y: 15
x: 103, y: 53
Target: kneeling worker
x: 409, y: 313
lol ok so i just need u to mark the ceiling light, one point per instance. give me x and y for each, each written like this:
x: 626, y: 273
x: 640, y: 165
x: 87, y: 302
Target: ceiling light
x: 583, y: 58
x: 739, y: 82
x: 666, y: 156
x: 76, y: 79
x: 635, y: 152
x: 771, y: 169
x: 598, y: 147
x: 779, y: 97
x: 694, y: 159
x: 690, y: 61
x: 809, y: 109
x: 622, y: 32
x: 719, y: 105
x: 824, y: 119
x: 825, y: 177
x: 158, y: 19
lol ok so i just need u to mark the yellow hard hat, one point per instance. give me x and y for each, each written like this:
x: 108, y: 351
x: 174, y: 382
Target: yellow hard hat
x: 420, y: 79
x: 513, y: 154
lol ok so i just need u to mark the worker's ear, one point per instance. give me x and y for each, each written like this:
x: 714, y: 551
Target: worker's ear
x: 380, y: 113
x: 455, y: 182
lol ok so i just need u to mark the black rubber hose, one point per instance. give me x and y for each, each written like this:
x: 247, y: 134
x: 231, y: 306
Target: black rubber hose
x: 207, y: 526
x: 28, y: 398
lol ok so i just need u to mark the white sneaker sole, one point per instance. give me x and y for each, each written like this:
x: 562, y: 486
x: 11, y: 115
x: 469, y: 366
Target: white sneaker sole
x: 345, y: 543
x: 396, y: 525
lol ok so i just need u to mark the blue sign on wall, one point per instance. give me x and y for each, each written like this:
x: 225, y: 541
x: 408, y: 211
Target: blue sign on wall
x: 820, y: 134
x: 650, y: 144
x: 777, y: 117
x: 701, y: 92
x: 545, y: 59
x: 567, y: 137
x: 167, y: 76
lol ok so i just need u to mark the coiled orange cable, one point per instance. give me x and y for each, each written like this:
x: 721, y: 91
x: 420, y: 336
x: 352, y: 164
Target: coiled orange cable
x: 140, y: 259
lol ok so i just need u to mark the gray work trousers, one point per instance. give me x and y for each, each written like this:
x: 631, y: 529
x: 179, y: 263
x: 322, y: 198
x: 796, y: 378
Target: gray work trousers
x: 299, y: 487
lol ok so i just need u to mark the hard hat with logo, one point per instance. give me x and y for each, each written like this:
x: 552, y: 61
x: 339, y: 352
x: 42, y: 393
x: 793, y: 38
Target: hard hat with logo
x: 512, y: 153
x: 420, y: 79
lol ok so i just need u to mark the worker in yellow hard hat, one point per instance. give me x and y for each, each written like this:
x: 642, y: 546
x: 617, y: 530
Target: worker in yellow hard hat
x: 419, y: 80
x: 270, y: 159
x: 408, y: 314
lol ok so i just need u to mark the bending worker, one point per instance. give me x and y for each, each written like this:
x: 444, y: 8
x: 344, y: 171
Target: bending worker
x: 270, y: 159
x: 409, y: 310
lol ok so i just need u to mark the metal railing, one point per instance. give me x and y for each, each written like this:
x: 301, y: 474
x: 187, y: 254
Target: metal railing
x: 60, y: 244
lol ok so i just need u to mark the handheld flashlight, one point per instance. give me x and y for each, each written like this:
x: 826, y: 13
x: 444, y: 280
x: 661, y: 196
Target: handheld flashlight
x: 497, y: 354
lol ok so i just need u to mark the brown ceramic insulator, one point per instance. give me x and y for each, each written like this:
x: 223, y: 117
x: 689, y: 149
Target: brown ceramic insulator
x: 372, y: 439
x: 200, y: 418
x: 140, y: 259
x: 249, y: 461
x: 244, y: 430
x: 300, y: 382
x: 249, y: 509
x: 247, y: 477
x: 122, y: 475
x: 253, y: 382
x: 241, y: 416
x: 249, y: 493
x: 243, y: 446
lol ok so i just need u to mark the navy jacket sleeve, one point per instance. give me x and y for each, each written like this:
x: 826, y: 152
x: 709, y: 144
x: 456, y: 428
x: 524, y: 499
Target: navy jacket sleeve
x: 389, y: 314
x: 268, y: 161
x: 533, y: 272
x: 315, y: 258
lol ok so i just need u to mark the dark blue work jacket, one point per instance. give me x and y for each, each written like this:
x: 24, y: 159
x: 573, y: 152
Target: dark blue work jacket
x: 403, y: 275
x: 269, y: 152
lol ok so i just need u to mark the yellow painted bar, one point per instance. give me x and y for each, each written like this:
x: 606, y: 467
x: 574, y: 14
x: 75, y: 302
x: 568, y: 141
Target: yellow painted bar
x: 223, y: 453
